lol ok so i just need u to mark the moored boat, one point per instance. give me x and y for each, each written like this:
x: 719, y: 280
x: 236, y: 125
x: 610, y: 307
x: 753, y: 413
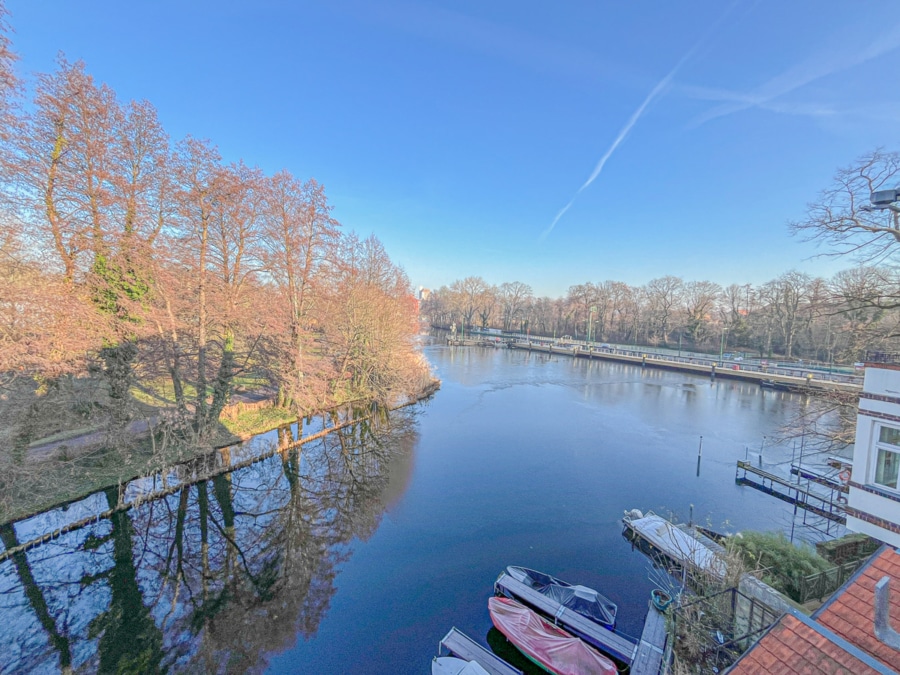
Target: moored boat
x: 580, y: 599
x: 450, y: 665
x: 546, y: 645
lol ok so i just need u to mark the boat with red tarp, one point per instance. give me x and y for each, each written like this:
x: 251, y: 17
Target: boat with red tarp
x: 548, y: 646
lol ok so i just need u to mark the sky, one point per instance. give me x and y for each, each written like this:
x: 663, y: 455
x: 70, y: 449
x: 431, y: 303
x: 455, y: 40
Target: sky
x: 519, y: 140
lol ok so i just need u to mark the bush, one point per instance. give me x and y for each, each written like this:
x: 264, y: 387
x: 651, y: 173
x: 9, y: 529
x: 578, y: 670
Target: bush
x: 780, y: 563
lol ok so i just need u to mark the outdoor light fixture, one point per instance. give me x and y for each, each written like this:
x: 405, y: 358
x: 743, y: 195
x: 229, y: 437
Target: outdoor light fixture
x: 886, y: 199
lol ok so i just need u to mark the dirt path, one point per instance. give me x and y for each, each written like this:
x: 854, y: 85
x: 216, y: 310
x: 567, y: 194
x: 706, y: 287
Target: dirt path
x: 136, y: 428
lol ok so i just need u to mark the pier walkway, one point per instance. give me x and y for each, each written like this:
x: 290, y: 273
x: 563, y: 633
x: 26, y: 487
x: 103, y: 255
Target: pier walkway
x: 827, y: 506
x: 811, y: 382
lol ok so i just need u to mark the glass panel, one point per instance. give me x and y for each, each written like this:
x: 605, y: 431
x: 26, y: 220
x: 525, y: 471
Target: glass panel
x: 889, y: 435
x: 886, y: 468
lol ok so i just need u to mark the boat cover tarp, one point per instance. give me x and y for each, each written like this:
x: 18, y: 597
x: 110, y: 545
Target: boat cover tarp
x: 677, y: 544
x: 581, y: 599
x: 549, y: 646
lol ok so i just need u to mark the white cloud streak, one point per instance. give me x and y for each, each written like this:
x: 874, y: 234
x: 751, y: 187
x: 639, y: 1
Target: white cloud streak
x: 814, y: 68
x: 635, y: 116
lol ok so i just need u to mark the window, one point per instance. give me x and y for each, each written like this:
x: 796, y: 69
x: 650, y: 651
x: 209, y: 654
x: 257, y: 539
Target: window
x: 887, y: 460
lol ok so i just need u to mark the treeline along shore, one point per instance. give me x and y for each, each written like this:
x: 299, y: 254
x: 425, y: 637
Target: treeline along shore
x: 146, y: 278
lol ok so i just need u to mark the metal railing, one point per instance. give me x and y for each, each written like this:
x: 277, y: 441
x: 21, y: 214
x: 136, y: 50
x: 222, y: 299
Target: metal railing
x: 892, y: 358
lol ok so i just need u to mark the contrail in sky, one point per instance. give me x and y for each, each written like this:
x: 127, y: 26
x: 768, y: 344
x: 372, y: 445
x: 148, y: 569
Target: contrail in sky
x: 635, y: 116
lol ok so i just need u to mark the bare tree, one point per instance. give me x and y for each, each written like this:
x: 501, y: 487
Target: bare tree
x: 300, y: 248
x: 700, y: 298
x: 663, y: 296
x: 514, y: 299
x: 842, y: 218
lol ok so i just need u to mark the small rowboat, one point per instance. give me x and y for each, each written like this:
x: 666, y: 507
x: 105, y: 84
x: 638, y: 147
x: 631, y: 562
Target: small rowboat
x: 548, y: 646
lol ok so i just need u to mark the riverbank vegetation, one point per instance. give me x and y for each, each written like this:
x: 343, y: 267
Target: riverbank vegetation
x: 833, y: 321
x: 148, y: 279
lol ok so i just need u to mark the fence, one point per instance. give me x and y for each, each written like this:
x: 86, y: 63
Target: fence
x: 818, y: 586
x: 711, y: 632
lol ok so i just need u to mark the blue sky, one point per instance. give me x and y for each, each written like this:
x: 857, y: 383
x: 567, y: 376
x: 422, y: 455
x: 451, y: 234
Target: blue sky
x: 456, y: 132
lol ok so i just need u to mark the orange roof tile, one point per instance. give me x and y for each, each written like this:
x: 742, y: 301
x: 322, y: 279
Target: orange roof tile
x: 792, y: 647
x: 851, y: 611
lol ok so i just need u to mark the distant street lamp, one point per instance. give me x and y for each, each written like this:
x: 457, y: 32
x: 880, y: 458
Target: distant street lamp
x: 722, y: 343
x: 591, y: 323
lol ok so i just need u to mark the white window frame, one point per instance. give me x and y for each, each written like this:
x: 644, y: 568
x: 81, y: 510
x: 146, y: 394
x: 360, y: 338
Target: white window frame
x: 877, y: 445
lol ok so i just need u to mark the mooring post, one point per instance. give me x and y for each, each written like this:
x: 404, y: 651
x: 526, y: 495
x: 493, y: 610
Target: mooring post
x: 761, y: 448
x: 699, y: 455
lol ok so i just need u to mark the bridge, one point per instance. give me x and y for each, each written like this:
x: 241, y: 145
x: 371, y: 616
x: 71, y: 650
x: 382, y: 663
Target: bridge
x: 778, y: 377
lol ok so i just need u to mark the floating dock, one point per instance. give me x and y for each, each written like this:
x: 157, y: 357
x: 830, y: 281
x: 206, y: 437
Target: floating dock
x: 651, y: 648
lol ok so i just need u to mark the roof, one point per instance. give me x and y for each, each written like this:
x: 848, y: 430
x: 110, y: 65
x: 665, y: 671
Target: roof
x: 840, y: 638
x: 850, y: 613
x: 792, y: 646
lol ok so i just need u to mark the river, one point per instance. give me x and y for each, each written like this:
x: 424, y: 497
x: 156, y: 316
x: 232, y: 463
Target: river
x: 357, y: 553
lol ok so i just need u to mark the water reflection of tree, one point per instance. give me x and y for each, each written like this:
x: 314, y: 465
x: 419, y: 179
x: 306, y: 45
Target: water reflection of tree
x: 226, y: 571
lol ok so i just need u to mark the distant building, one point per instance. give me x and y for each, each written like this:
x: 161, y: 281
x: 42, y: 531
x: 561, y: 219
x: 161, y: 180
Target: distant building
x: 873, y: 506
x: 424, y: 294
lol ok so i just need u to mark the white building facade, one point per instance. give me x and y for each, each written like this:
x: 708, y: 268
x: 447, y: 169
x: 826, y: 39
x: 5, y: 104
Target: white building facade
x: 873, y: 506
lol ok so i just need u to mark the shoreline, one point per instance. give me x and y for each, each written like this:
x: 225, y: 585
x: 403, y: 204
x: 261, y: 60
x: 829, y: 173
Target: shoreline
x: 130, y: 473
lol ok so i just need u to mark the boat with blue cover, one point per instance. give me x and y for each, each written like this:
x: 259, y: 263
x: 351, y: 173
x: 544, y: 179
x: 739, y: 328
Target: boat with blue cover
x: 580, y: 599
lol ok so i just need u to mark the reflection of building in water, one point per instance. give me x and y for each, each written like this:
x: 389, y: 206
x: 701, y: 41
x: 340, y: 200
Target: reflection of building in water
x: 213, y: 577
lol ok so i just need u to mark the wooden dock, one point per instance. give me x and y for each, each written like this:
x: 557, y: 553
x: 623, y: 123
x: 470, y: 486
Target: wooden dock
x: 458, y: 644
x: 612, y: 643
x: 651, y: 648
x: 828, y: 507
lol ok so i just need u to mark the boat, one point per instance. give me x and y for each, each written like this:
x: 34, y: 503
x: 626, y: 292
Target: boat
x: 580, y: 599
x: 778, y: 386
x: 450, y: 665
x: 686, y: 548
x: 465, y: 650
x: 601, y: 636
x: 546, y: 645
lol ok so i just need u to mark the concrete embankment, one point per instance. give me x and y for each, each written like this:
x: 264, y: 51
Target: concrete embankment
x: 805, y: 384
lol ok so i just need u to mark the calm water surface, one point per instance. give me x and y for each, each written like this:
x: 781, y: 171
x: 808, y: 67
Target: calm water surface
x: 359, y: 552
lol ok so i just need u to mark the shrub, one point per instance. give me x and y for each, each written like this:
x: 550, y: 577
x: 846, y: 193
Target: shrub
x: 780, y: 563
